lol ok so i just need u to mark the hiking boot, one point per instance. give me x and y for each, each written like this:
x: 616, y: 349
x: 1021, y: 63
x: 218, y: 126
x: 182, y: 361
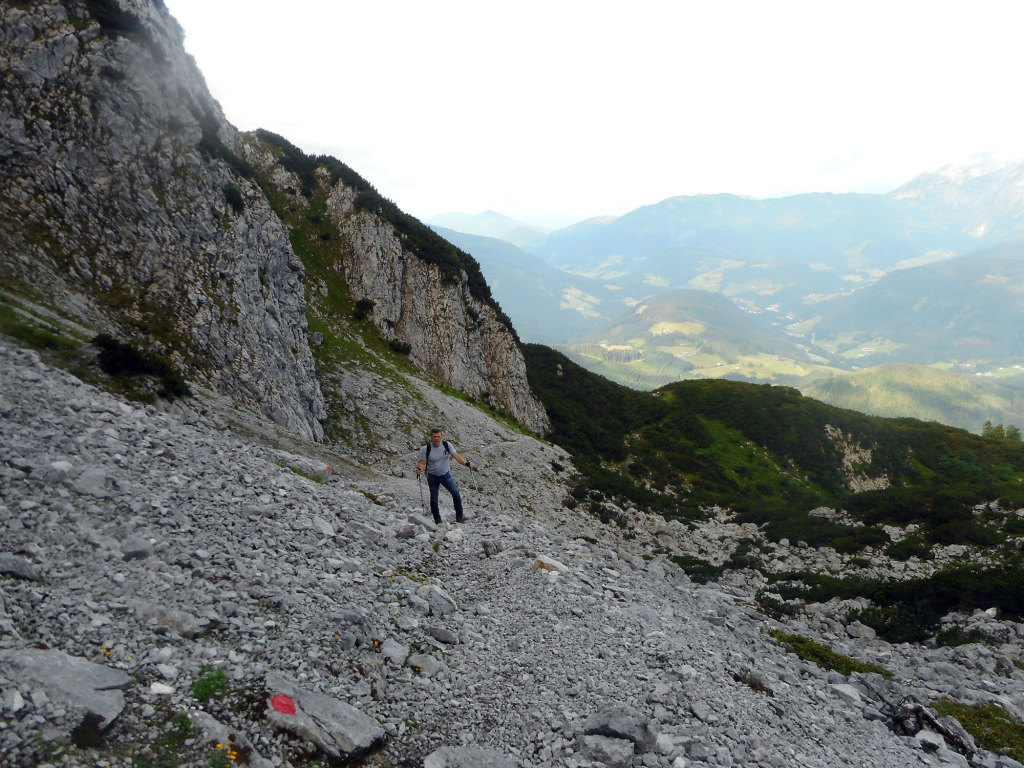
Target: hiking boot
x: 437, y: 520
x: 460, y: 519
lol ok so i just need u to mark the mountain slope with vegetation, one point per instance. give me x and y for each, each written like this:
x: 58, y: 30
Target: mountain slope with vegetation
x: 686, y: 334
x: 923, y: 392
x: 963, y: 312
x: 768, y: 453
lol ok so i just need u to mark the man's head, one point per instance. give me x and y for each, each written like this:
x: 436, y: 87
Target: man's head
x: 435, y: 437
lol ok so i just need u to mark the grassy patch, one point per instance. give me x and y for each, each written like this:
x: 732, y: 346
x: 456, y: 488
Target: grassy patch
x: 993, y: 727
x: 212, y: 683
x: 320, y: 478
x: 34, y: 334
x: 823, y: 656
x: 753, y: 681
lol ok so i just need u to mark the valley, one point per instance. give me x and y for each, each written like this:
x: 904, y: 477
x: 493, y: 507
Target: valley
x: 784, y: 295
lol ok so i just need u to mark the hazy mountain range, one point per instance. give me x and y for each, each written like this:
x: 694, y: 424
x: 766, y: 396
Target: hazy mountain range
x: 930, y: 274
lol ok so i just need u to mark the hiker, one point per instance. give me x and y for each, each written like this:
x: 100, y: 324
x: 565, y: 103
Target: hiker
x: 434, y: 460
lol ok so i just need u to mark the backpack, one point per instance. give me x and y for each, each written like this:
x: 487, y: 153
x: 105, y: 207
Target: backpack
x: 444, y: 444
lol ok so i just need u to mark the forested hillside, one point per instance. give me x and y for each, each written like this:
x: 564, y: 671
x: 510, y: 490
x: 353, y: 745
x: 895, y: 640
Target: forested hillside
x: 772, y: 455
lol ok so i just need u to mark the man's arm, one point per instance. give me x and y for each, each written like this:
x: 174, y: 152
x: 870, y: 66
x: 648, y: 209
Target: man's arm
x: 462, y: 461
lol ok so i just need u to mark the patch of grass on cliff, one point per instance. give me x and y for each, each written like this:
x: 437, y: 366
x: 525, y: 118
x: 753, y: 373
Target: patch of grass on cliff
x: 317, y: 242
x: 992, y: 726
x: 33, y: 334
x: 823, y: 656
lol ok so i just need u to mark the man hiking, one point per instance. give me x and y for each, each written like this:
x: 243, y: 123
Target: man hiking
x: 434, y: 461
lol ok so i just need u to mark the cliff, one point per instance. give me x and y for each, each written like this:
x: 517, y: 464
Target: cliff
x: 128, y: 204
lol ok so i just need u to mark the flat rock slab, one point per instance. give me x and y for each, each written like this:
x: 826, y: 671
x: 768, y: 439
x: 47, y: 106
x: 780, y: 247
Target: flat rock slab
x: 19, y: 567
x: 468, y: 757
x: 339, y: 729
x: 77, y: 684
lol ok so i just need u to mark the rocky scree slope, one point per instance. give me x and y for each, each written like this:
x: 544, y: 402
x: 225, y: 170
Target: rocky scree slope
x: 148, y: 549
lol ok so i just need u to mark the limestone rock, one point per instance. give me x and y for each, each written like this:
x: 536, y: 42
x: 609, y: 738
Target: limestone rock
x: 339, y: 729
x: 79, y: 685
x: 467, y: 757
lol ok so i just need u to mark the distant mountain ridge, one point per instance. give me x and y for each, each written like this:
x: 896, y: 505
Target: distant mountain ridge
x: 548, y: 305
x: 964, y: 312
x: 687, y: 334
x: 492, y: 224
x: 927, y: 274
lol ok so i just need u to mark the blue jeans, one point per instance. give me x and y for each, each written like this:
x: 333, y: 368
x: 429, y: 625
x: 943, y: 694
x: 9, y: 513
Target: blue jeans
x: 434, y: 482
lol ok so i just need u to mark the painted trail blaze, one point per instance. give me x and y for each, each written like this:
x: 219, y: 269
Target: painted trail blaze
x: 283, y: 703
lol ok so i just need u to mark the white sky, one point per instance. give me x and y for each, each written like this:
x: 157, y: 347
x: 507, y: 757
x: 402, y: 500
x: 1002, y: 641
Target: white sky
x: 590, y: 108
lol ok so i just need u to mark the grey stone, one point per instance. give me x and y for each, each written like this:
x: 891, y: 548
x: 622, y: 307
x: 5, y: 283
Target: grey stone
x: 339, y: 729
x: 468, y: 757
x: 442, y: 634
x: 91, y: 482
x: 607, y: 751
x: 440, y: 602
x: 168, y: 617
x: 19, y: 567
x: 856, y: 629
x: 848, y: 693
x: 394, y: 651
x: 322, y: 526
x: 617, y: 722
x: 425, y: 665
x: 137, y: 548
x: 703, y: 712
x: 77, y: 684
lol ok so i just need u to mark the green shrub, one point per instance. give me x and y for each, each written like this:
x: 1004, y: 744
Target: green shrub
x: 823, y: 656
x: 363, y: 308
x: 211, y: 683
x: 119, y: 358
x: 700, y: 571
x: 182, y: 725
x: 752, y: 680
x: 956, y: 634
x: 908, y: 547
x: 777, y: 609
x: 898, y: 623
x: 993, y: 727
x: 234, y: 197
x: 910, y: 610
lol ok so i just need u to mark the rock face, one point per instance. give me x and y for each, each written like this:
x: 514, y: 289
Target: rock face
x: 129, y: 203
x: 453, y: 336
x: 123, y: 203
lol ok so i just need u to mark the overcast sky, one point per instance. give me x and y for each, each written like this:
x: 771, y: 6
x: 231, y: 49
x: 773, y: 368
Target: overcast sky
x: 590, y: 108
